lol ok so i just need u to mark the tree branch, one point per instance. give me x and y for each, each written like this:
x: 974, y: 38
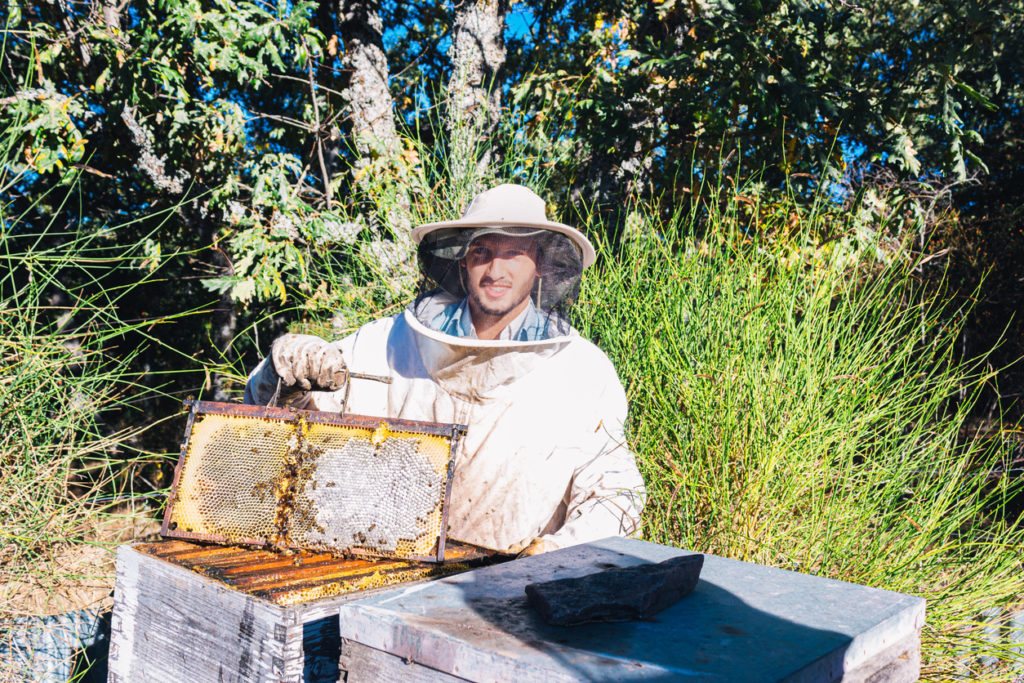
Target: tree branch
x: 317, y: 132
x: 149, y: 162
x: 33, y: 94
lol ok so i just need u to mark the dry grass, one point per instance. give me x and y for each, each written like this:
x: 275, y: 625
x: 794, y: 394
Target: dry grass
x: 77, y: 573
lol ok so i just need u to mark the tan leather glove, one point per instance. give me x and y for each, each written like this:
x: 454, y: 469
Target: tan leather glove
x: 532, y: 546
x: 305, y: 362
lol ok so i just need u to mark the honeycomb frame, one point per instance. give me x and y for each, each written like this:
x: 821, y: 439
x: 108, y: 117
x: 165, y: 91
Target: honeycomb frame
x: 258, y: 476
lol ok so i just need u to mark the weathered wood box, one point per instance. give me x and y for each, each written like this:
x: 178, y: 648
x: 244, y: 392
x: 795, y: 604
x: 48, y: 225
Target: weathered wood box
x: 186, y: 612
x: 190, y: 612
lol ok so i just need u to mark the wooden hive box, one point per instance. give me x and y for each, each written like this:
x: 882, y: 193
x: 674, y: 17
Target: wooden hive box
x: 743, y: 622
x: 190, y: 612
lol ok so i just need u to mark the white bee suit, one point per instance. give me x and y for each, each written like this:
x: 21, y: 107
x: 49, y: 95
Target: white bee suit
x: 545, y: 454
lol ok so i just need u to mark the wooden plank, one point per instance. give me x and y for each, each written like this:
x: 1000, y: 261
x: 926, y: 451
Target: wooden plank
x: 362, y: 664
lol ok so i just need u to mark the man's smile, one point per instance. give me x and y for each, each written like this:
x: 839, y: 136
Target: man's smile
x: 496, y: 289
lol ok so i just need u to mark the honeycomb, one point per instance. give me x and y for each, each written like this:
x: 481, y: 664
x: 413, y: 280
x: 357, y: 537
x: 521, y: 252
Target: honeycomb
x: 297, y: 483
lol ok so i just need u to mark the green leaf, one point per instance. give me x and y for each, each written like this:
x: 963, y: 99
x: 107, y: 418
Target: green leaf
x: 101, y: 81
x: 976, y: 159
x: 243, y: 290
x: 219, y: 285
x: 977, y: 96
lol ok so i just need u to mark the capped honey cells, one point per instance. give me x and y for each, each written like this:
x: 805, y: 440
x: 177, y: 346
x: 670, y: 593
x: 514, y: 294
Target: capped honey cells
x: 293, y: 479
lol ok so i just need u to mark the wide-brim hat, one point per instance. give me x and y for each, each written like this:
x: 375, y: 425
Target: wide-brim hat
x: 510, y: 206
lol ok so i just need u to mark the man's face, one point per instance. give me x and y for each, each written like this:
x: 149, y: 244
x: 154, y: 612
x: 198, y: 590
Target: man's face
x: 500, y: 271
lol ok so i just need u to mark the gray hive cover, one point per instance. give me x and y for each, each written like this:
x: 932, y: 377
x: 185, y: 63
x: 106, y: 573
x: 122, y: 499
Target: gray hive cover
x: 743, y: 622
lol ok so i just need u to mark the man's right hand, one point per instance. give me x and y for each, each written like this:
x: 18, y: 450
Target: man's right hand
x: 306, y: 362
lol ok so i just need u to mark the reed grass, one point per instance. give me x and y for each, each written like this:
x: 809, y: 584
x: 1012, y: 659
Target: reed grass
x: 68, y: 429
x: 799, y: 403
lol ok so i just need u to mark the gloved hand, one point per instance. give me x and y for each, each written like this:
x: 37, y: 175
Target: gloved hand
x: 532, y: 546
x: 306, y: 362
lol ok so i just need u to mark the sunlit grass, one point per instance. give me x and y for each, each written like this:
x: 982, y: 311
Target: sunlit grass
x: 801, y: 406
x: 69, y: 446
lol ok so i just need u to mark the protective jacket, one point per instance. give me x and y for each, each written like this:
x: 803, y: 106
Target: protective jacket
x: 545, y: 454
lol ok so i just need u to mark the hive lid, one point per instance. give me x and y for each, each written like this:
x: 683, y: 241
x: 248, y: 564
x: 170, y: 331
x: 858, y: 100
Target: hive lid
x: 287, y: 478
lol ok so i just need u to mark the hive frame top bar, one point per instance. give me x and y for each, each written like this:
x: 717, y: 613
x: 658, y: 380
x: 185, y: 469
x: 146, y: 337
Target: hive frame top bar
x: 453, y: 432
x: 344, y: 420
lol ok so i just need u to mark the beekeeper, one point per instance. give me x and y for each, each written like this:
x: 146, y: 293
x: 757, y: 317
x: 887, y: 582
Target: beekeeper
x: 488, y: 344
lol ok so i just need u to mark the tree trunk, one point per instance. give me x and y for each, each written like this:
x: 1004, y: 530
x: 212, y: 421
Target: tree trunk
x: 366, y: 92
x: 621, y: 167
x: 375, y: 139
x: 477, y: 55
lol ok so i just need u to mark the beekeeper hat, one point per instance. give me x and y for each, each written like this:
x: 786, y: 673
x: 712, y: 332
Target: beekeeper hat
x: 505, y: 207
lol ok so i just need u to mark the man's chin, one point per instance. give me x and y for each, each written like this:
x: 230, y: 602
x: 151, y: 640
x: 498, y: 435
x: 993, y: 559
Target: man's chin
x: 496, y: 312
x: 497, y: 308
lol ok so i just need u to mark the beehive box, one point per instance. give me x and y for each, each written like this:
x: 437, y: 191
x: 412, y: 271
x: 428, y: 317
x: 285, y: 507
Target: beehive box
x: 373, y: 493
x: 743, y: 622
x: 198, y: 612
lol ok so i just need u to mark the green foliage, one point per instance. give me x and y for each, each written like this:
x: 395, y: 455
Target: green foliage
x: 798, y: 403
x: 656, y: 89
x: 158, y: 101
x: 233, y: 105
x: 175, y: 64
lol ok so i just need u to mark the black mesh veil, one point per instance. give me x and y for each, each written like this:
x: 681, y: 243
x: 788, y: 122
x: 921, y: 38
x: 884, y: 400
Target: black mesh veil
x: 555, y: 289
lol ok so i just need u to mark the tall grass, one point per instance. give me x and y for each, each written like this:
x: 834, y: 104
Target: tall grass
x: 800, y: 405
x: 67, y: 429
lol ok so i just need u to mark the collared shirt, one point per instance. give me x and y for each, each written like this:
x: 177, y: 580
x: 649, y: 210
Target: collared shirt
x: 456, y: 320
